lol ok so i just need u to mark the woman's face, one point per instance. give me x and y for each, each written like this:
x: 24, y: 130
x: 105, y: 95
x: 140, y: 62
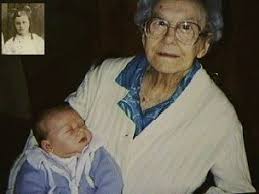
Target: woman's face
x: 22, y: 25
x: 165, y: 53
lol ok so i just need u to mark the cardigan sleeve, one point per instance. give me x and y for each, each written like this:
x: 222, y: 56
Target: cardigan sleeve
x: 80, y: 100
x: 231, y: 173
x: 106, y: 173
x: 30, y: 180
x: 96, y: 80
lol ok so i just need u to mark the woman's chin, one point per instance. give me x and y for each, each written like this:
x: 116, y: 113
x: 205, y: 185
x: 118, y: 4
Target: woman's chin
x: 168, y: 68
x: 22, y: 33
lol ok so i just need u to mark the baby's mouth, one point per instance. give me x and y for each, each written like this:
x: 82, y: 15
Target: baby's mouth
x: 83, y: 139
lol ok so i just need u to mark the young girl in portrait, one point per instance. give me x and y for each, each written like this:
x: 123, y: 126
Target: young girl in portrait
x: 24, y: 42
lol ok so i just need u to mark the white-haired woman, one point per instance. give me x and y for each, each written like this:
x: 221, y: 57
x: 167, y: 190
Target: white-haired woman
x: 163, y: 118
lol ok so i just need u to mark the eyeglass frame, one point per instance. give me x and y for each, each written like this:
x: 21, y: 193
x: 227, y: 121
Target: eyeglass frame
x: 169, y: 25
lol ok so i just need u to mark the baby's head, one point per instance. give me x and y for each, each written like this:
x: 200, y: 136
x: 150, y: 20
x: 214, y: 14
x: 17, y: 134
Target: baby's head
x: 61, y: 131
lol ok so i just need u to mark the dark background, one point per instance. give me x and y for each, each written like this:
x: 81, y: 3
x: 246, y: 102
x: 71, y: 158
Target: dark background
x: 80, y: 33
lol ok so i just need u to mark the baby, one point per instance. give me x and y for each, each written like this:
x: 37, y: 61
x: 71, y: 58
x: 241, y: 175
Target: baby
x: 69, y: 159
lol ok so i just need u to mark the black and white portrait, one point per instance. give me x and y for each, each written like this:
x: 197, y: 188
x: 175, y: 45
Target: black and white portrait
x: 23, y: 29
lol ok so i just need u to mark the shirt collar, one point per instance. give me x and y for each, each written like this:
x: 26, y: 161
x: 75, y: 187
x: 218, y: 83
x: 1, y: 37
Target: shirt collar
x: 132, y: 74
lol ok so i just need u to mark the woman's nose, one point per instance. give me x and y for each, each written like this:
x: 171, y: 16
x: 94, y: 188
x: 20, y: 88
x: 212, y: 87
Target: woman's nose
x: 169, y: 36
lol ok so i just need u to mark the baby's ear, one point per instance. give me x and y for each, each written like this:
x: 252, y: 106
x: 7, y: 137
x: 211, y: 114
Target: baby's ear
x: 46, y: 146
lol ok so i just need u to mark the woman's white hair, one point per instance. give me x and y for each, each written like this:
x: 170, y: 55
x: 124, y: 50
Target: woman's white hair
x: 213, y: 9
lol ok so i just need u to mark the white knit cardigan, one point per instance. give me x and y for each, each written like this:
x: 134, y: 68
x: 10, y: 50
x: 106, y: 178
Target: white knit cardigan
x: 197, y: 133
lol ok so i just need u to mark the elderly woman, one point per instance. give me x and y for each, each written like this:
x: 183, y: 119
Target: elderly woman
x: 164, y: 120
x: 23, y: 42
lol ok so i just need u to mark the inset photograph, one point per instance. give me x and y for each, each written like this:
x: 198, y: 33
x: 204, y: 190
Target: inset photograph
x: 23, y: 29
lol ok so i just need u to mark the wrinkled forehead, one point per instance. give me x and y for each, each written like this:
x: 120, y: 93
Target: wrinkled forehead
x: 179, y: 10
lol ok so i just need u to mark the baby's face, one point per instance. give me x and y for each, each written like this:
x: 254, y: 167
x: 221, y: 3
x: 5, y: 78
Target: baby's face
x: 68, y: 133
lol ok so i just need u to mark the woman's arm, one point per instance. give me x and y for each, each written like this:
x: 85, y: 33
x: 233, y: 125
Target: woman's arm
x: 80, y: 100
x: 231, y: 173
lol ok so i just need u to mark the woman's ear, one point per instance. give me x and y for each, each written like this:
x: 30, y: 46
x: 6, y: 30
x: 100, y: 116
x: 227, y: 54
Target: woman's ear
x: 143, y: 38
x: 204, y: 47
x: 46, y: 146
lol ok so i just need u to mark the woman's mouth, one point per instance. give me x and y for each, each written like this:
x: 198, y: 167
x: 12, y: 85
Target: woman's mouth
x: 170, y: 55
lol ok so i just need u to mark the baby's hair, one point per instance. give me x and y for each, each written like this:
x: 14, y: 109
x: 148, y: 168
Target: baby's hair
x: 39, y: 129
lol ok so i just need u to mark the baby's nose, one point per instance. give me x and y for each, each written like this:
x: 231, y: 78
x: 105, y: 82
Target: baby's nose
x: 80, y: 129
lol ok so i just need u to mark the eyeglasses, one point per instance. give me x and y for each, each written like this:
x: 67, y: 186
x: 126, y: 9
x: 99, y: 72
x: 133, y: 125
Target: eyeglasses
x: 186, y: 32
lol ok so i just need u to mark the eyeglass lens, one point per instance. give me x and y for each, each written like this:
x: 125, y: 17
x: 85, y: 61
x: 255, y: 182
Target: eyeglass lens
x: 186, y: 32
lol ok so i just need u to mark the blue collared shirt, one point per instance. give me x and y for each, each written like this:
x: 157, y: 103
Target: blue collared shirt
x: 130, y: 78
